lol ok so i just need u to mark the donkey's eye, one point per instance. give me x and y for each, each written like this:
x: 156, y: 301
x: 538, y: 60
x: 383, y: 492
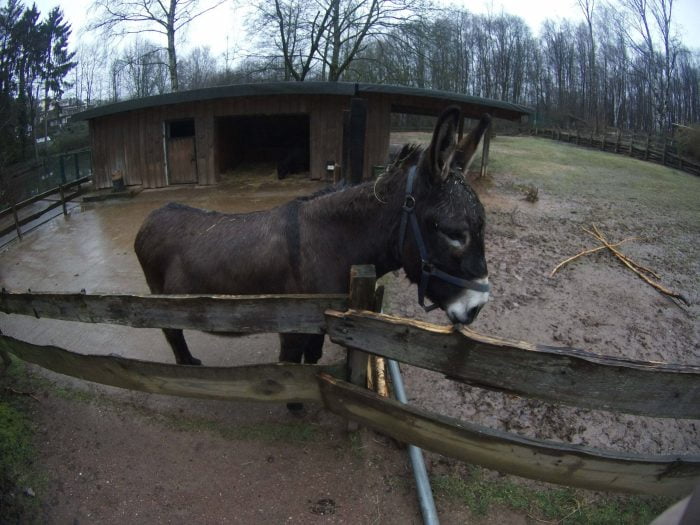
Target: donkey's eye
x: 454, y: 237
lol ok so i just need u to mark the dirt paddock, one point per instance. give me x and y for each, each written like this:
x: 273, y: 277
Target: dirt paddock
x: 112, y: 455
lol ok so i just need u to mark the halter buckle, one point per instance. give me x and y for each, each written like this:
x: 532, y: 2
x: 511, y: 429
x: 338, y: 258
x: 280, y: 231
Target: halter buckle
x: 409, y: 203
x: 427, y: 267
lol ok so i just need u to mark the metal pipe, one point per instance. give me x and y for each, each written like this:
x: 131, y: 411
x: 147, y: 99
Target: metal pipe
x: 425, y: 494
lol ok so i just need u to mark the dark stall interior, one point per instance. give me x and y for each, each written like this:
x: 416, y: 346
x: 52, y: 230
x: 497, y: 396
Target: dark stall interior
x: 282, y: 140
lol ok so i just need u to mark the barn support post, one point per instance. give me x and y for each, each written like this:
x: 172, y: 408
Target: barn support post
x: 358, y: 129
x: 486, y: 146
x: 363, y: 280
x: 345, y: 160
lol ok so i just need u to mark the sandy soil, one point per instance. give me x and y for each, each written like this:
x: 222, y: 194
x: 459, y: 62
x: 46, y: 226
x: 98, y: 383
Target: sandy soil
x: 114, y: 456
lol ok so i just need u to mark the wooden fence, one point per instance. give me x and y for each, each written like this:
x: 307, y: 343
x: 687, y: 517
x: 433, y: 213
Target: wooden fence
x: 659, y: 149
x: 23, y: 186
x: 564, y: 375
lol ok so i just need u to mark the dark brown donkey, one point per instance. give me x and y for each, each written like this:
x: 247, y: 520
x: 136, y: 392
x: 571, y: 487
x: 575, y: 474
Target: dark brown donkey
x: 420, y: 215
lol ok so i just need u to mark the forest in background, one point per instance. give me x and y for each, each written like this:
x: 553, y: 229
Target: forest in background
x: 622, y: 67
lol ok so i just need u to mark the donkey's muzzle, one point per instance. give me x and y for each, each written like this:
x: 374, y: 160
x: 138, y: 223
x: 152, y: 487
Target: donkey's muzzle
x: 465, y: 307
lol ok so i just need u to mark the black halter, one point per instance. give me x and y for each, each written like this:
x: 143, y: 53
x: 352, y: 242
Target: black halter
x: 428, y: 270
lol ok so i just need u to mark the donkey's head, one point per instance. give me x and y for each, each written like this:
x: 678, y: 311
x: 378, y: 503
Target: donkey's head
x: 442, y: 232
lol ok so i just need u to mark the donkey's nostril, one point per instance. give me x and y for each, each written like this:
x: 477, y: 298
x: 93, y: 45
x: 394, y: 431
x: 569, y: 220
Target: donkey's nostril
x: 472, y: 313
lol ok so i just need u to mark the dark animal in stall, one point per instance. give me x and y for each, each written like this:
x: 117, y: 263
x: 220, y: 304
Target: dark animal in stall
x: 295, y: 160
x: 421, y: 215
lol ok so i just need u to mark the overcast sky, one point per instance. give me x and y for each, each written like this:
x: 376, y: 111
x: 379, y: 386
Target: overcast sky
x: 212, y: 29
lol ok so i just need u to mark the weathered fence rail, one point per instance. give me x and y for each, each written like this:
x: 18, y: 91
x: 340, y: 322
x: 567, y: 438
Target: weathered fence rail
x: 555, y: 375
x: 463, y: 355
x: 644, y: 147
x: 225, y: 313
x: 268, y: 382
x: 532, y: 458
x: 61, y: 201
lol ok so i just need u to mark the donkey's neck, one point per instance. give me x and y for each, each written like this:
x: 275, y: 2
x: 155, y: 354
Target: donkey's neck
x: 365, y: 220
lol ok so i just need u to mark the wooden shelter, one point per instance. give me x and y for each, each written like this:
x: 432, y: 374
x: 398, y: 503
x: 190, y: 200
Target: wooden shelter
x: 196, y: 136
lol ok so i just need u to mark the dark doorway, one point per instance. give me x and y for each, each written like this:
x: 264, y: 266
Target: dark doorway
x: 252, y: 139
x: 182, y: 158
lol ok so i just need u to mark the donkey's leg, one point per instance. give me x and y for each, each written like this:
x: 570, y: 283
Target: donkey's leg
x: 295, y: 346
x: 313, y: 349
x: 292, y: 347
x: 179, y: 346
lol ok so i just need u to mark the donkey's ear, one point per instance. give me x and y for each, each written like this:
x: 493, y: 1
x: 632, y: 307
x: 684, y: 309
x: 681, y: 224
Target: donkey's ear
x: 463, y: 154
x: 443, y: 143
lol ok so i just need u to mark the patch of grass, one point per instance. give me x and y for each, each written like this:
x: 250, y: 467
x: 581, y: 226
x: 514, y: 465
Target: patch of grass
x: 561, y: 505
x: 565, y: 170
x: 19, y: 482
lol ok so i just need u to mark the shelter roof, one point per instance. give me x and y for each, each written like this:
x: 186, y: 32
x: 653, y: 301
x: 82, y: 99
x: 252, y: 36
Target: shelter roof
x: 404, y: 99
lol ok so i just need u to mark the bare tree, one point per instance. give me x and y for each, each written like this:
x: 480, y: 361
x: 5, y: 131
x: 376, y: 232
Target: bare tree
x: 91, y: 58
x: 329, y: 34
x: 588, y: 8
x: 649, y: 31
x: 198, y: 68
x: 164, y: 17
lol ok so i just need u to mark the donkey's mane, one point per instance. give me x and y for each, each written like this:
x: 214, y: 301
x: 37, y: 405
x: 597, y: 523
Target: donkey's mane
x: 408, y: 155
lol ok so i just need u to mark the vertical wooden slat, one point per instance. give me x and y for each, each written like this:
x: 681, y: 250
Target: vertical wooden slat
x: 363, y: 280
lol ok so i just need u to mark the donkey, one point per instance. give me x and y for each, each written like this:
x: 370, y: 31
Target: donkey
x: 421, y: 215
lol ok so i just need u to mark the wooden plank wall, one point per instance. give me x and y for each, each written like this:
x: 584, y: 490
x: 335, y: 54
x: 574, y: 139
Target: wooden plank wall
x: 133, y: 141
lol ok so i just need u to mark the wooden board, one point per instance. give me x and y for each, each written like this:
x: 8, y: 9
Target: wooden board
x: 546, y: 461
x: 558, y: 375
x: 245, y: 314
x: 276, y: 382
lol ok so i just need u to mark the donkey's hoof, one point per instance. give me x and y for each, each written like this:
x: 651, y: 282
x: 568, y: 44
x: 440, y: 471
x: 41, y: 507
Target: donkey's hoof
x: 190, y: 361
x: 296, y: 409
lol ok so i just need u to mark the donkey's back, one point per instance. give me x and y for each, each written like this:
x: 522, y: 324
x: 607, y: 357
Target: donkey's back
x: 187, y: 250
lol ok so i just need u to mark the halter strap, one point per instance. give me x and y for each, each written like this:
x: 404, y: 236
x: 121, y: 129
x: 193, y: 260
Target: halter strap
x: 428, y: 270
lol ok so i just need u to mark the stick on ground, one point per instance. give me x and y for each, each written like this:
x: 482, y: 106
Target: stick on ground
x: 586, y: 252
x: 632, y: 266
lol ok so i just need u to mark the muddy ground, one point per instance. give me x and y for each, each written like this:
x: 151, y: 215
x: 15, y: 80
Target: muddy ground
x: 113, y: 456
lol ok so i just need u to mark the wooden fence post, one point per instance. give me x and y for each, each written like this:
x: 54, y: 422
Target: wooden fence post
x: 5, y: 357
x: 646, y: 151
x: 14, y: 214
x: 602, y: 142
x: 617, y: 144
x: 363, y: 280
x: 664, y: 151
x: 631, y: 144
x: 62, y: 169
x: 76, y: 161
x: 63, y: 199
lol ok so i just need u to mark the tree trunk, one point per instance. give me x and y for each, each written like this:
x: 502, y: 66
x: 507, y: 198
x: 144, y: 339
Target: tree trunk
x: 172, y: 57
